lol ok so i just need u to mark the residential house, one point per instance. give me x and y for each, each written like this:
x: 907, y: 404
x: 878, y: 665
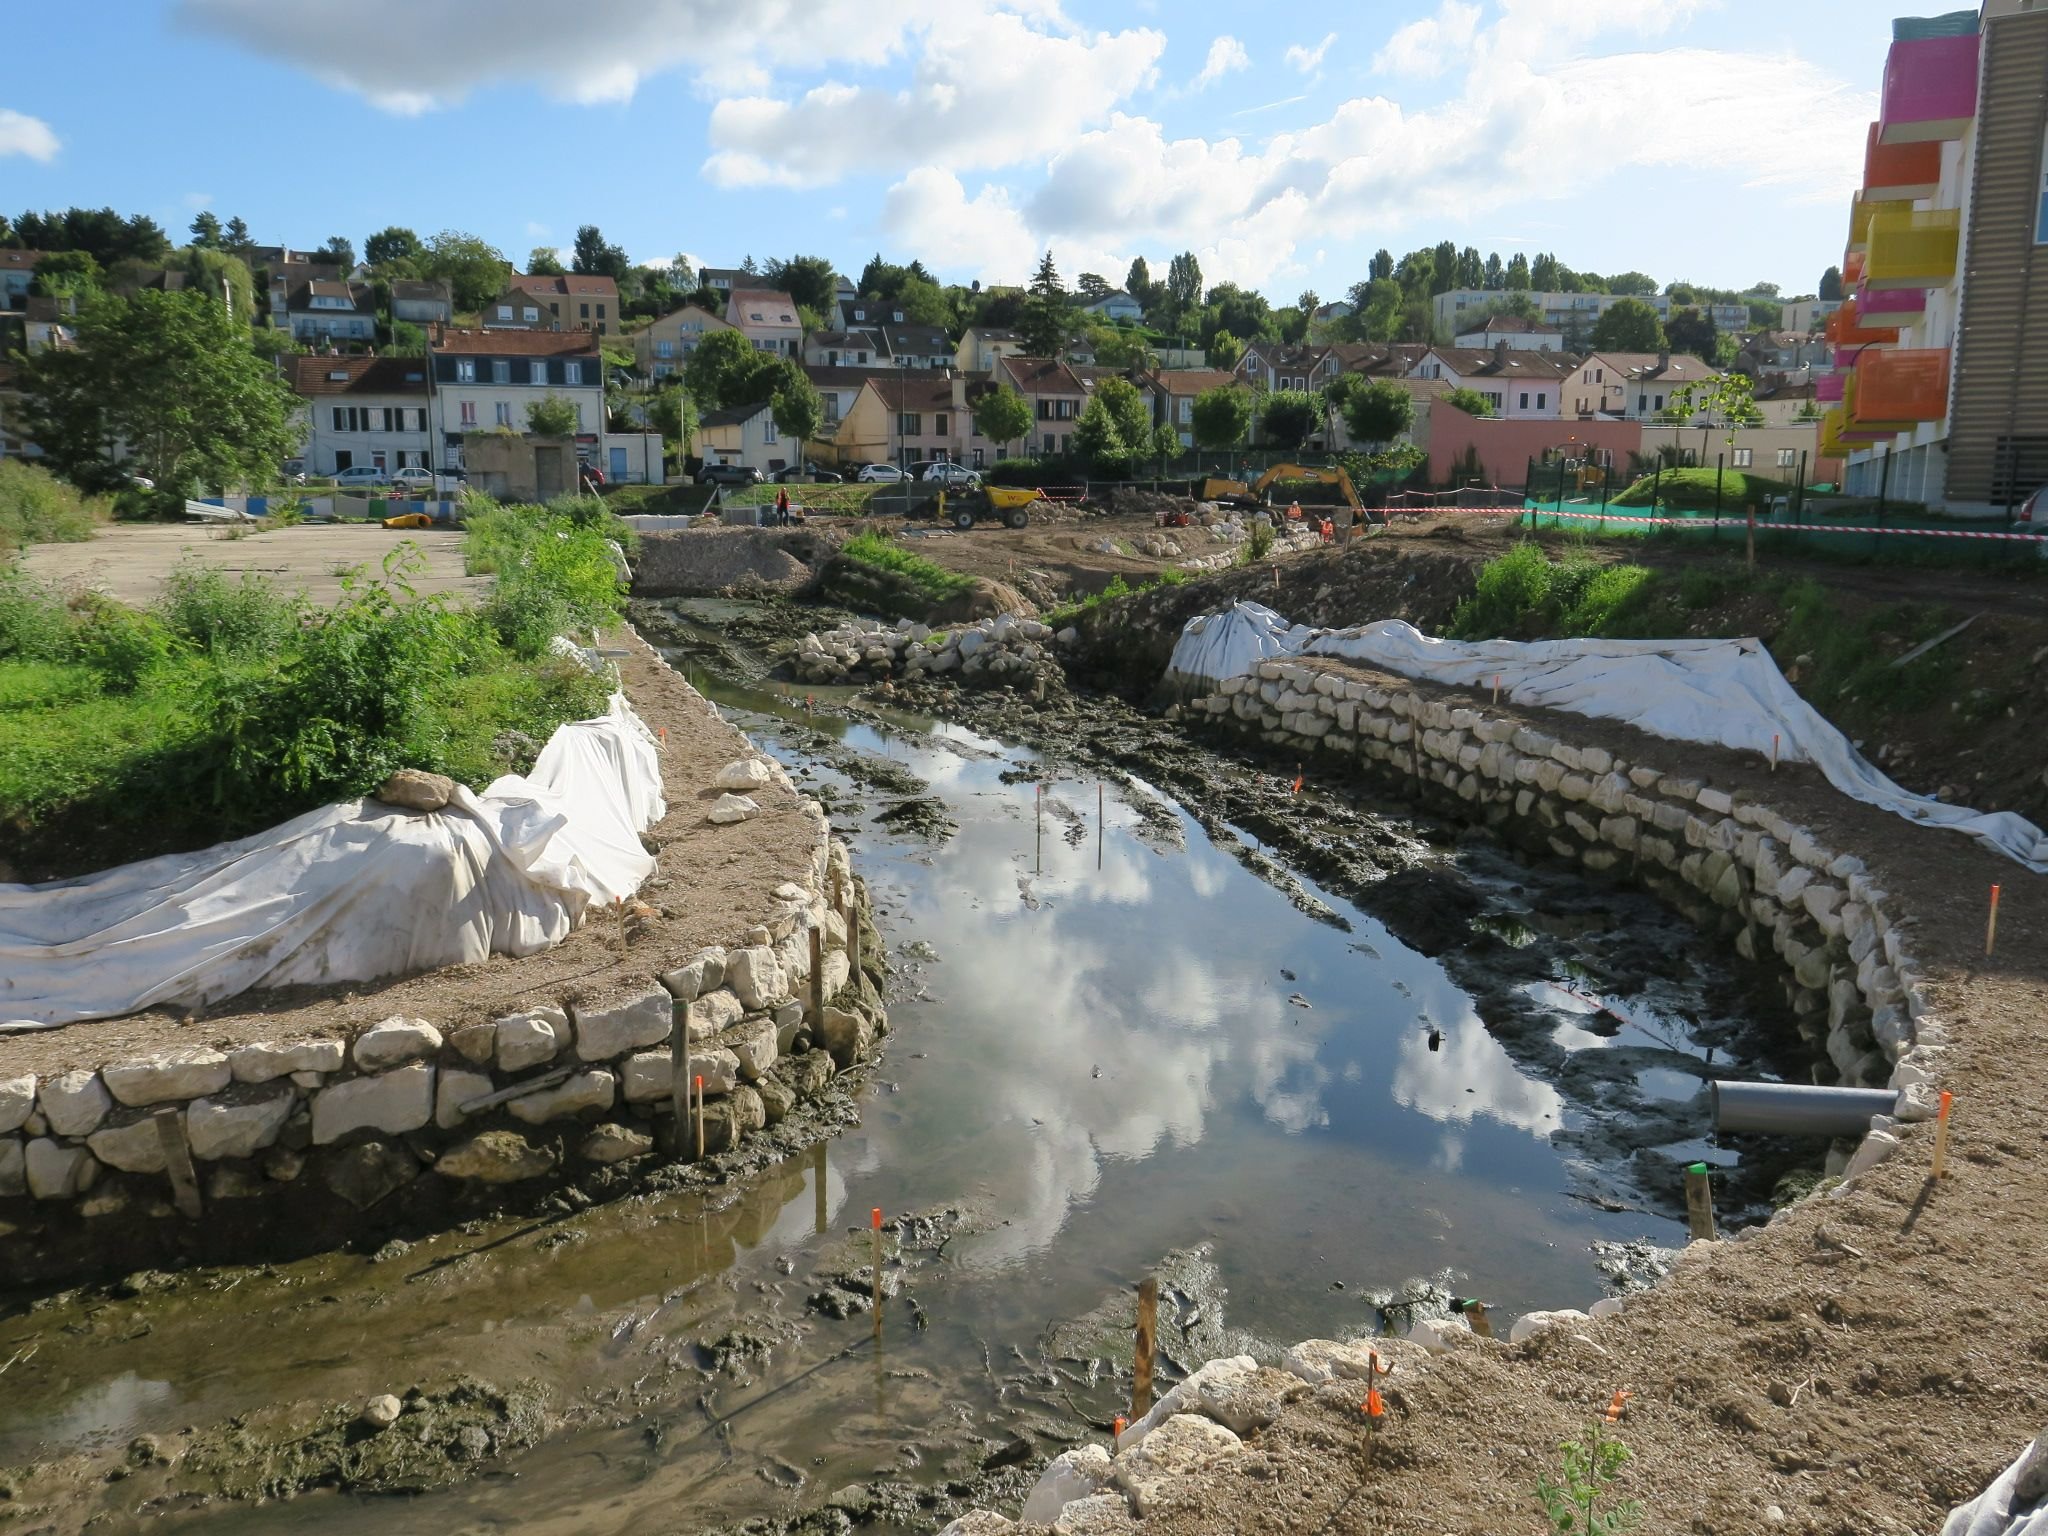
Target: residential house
x: 981, y: 346
x: 1056, y: 394
x: 844, y: 349
x: 1637, y: 385
x: 331, y: 312
x: 837, y: 385
x: 49, y: 322
x: 1174, y: 391
x: 1336, y: 309
x: 904, y: 417
x: 1787, y: 399
x: 362, y: 410
x: 486, y: 379
x: 428, y: 302
x: 518, y: 310
x: 1807, y: 316
x: 1271, y: 366
x: 858, y: 314
x: 1116, y: 306
x: 288, y: 277
x: 1521, y: 335
x: 17, y: 272
x: 1728, y: 317
x: 664, y: 347
x: 767, y: 319
x: 1515, y: 384
x: 911, y: 345
x: 1376, y: 359
x: 571, y: 301
x: 745, y: 434
x: 725, y: 279
x: 1781, y: 352
x: 1572, y: 314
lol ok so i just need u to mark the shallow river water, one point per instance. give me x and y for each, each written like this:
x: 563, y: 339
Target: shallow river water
x: 1111, y: 1041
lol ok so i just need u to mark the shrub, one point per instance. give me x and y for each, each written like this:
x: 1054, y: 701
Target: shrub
x: 227, y: 618
x: 38, y: 508
x: 34, y: 623
x: 120, y: 643
x: 555, y: 573
x: 1259, y: 542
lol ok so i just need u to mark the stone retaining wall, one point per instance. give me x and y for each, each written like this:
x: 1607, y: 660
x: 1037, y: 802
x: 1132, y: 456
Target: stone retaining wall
x: 320, y: 1131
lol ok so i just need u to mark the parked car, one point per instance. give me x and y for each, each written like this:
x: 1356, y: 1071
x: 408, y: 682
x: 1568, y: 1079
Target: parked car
x: 807, y: 474
x: 361, y: 474
x: 946, y: 473
x: 728, y: 474
x: 879, y: 474
x: 589, y: 477
x: 413, y: 478
x: 2035, y: 508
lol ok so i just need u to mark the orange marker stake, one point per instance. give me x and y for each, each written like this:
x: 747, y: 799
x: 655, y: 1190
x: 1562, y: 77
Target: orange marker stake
x: 700, y: 1119
x: 1116, y: 1434
x: 664, y: 735
x: 1297, y: 778
x: 1991, y: 925
x: 1614, y: 1406
x: 876, y: 1218
x: 1941, y: 1133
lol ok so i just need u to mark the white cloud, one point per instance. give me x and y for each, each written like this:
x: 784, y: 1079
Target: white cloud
x: 988, y: 89
x: 439, y: 53
x: 1309, y: 60
x: 198, y: 200
x: 930, y: 212
x: 21, y: 134
x: 1225, y: 55
x: 535, y: 230
x: 1425, y: 49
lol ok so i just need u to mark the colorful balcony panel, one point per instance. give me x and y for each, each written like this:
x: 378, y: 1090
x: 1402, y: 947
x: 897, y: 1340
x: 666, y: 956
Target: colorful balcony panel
x: 1930, y: 89
x: 1911, y: 249
x: 1899, y: 172
x: 1906, y: 384
x: 1885, y: 304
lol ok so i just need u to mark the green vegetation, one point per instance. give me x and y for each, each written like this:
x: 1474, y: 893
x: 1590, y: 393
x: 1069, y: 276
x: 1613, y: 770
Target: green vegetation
x: 1067, y: 612
x: 1470, y: 401
x: 1524, y: 594
x: 1692, y: 490
x: 878, y: 552
x: 38, y: 508
x: 1583, y: 1504
x: 227, y: 706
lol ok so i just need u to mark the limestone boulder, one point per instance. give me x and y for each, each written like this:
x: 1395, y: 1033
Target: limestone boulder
x: 1316, y: 1361
x: 13, y: 1168
x: 264, y: 1062
x: 649, y: 1078
x: 1071, y: 1475
x: 979, y: 1522
x: 1529, y: 1324
x: 714, y: 1012
x: 527, y: 1039
x: 807, y: 1074
x: 776, y: 1099
x: 752, y: 1042
x: 742, y: 776
x: 847, y: 1034
x: 456, y: 1088
x: 74, y: 1103
x: 495, y: 1157
x: 219, y: 1130
x: 628, y: 1025
x: 1100, y: 1514
x: 369, y: 1172
x: 391, y: 1102
x: 756, y: 977
x: 699, y: 974
x: 611, y: 1143
x: 582, y: 1093
x: 1178, y: 1448
x: 57, y: 1172
x: 1238, y: 1393
x: 187, y: 1073
x: 132, y: 1148
x: 412, y: 789
x: 732, y: 808
x: 394, y: 1041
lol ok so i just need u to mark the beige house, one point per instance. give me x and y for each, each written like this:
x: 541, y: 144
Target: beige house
x: 1635, y: 385
x: 1057, y: 396
x: 665, y: 346
x: 982, y: 347
x: 766, y: 318
x: 746, y: 434
x: 901, y: 418
x: 1173, y: 396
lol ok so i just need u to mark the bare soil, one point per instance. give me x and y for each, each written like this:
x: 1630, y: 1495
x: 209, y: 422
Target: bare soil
x: 711, y: 884
x: 1866, y: 1361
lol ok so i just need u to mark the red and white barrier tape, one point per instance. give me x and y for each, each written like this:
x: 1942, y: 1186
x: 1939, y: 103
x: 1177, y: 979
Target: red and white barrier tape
x: 1736, y: 522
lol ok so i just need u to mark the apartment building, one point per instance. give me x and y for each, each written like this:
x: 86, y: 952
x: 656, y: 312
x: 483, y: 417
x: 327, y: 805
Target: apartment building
x: 363, y: 410
x: 485, y: 380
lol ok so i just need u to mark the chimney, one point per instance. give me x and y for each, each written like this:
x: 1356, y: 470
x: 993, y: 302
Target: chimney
x: 1663, y: 359
x: 1500, y: 354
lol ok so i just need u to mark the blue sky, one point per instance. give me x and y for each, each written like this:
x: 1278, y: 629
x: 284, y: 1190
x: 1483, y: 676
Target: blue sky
x: 1712, y: 140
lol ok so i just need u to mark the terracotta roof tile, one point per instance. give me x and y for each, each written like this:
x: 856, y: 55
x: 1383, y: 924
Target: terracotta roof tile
x: 456, y: 342
x: 315, y: 376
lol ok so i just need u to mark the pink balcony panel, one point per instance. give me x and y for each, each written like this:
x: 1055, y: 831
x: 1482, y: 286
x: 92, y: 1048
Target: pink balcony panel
x: 1887, y: 302
x: 1827, y: 387
x: 1930, y: 89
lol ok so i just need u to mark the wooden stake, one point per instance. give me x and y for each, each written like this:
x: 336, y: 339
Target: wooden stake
x: 170, y: 1135
x: 1475, y: 1315
x: 876, y: 1219
x: 1141, y: 1356
x: 1774, y: 751
x: 818, y: 979
x: 1098, y: 823
x: 1941, y: 1134
x: 1496, y: 687
x: 819, y: 1213
x: 679, y: 1080
x: 1699, y: 1204
x: 1991, y: 925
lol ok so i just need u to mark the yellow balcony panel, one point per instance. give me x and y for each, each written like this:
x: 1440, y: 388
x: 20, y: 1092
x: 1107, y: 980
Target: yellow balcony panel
x: 1860, y: 211
x: 1911, y: 249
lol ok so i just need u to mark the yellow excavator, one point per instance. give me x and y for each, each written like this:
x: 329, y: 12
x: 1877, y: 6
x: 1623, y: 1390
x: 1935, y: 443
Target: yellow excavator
x: 1238, y: 494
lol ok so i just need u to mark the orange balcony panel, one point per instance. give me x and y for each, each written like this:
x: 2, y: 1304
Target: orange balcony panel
x: 1908, y: 384
x: 1899, y: 172
x: 1845, y: 329
x: 1912, y: 250
x: 1864, y: 420
x: 1852, y: 269
x: 1930, y: 89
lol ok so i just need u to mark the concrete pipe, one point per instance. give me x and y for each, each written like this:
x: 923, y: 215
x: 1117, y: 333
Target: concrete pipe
x: 1794, y: 1109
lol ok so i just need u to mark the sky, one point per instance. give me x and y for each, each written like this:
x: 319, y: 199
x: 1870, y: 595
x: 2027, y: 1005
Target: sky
x: 1714, y: 141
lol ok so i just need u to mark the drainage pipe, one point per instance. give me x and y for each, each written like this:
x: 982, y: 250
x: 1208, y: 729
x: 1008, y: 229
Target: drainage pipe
x: 1795, y: 1109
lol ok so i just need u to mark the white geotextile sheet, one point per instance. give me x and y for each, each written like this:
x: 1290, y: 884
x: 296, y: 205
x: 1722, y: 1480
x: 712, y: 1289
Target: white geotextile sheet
x: 350, y: 892
x: 1726, y: 693
x: 1997, y: 1511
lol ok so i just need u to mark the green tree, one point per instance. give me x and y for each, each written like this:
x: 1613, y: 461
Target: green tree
x: 1138, y: 283
x: 390, y: 245
x: 673, y: 413
x: 1378, y: 413
x: 810, y: 280
x: 206, y: 270
x: 1225, y: 351
x: 1629, y: 325
x: 923, y: 302
x: 1002, y: 415
x: 553, y: 416
x: 597, y: 257
x: 474, y: 268
x: 769, y: 376
x: 1471, y: 268
x: 1692, y: 330
x: 1518, y: 271
x: 1091, y: 286
x: 1130, y: 408
x: 73, y: 273
x: 1496, y: 274
x: 101, y: 233
x: 542, y: 261
x: 1099, y: 440
x: 1243, y: 312
x: 1443, y: 268
x: 798, y: 412
x: 1632, y: 284
x: 173, y: 378
x: 337, y: 252
x: 1831, y: 283
x: 1165, y: 445
x: 1183, y: 286
x: 1382, y: 265
x: 720, y: 362
x: 1046, y: 321
x: 1470, y: 401
x: 1222, y: 417
x: 1543, y: 272
x: 1379, y: 319
x: 206, y: 229
x: 1290, y: 417
x: 237, y: 241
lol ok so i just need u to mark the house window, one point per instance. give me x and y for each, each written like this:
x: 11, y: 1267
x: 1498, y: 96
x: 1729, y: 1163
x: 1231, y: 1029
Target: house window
x: 539, y: 374
x: 1743, y: 458
x: 504, y: 311
x: 1052, y: 444
x: 1493, y: 399
x: 909, y: 424
x: 1187, y: 411
x: 1642, y: 403
x: 342, y: 459
x: 532, y: 314
x: 1660, y: 402
x: 554, y: 309
x: 469, y: 413
x: 394, y: 418
x: 465, y: 370
x: 600, y: 311
x: 504, y: 413
x: 1045, y: 410
x: 664, y: 349
x: 768, y: 429
x: 339, y: 417
x: 1525, y: 401
x: 572, y: 373
x: 501, y: 372
x: 586, y: 313
x: 939, y: 424
x: 1787, y: 457
x: 1542, y: 400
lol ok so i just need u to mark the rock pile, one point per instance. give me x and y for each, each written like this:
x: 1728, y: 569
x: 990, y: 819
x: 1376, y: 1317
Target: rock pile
x: 996, y: 652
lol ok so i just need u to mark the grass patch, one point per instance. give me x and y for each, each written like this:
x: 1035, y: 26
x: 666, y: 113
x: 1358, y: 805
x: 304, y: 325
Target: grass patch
x: 880, y: 553
x: 1524, y: 594
x: 228, y: 707
x: 851, y: 497
x: 1066, y: 613
x: 1692, y: 490
x: 38, y: 508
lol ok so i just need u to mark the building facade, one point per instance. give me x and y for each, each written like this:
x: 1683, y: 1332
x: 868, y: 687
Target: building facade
x: 363, y: 410
x: 486, y: 380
